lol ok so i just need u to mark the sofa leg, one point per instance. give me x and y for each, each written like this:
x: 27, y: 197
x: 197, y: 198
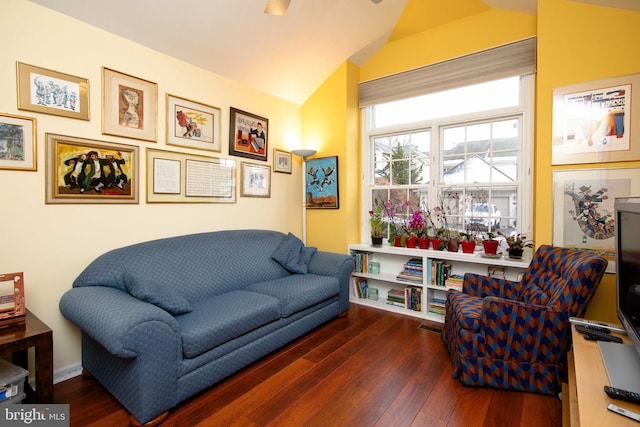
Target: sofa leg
x: 86, y: 374
x: 155, y: 421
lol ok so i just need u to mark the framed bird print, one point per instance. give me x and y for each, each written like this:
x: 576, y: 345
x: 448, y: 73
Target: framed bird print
x: 321, y: 183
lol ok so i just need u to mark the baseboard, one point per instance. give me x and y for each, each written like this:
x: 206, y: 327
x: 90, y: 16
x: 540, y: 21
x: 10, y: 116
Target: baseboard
x: 67, y: 373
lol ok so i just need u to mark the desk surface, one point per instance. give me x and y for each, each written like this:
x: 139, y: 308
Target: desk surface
x: 32, y: 327
x: 591, y: 377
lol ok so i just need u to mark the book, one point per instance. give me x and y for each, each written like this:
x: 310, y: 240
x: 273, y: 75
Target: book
x: 497, y: 271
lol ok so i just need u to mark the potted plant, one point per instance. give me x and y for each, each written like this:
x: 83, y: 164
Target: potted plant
x: 376, y: 222
x: 453, y: 238
x: 415, y: 226
x: 439, y: 241
x: 516, y: 244
x: 489, y: 244
x: 468, y: 242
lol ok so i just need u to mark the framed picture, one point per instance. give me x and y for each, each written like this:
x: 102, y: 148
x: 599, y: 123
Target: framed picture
x: 595, y: 121
x: 80, y: 170
x: 17, y: 143
x: 52, y: 92
x: 174, y: 177
x: 248, y: 135
x: 192, y: 124
x: 281, y: 161
x: 321, y: 183
x: 129, y: 106
x: 583, y: 212
x: 256, y: 180
x: 12, y: 304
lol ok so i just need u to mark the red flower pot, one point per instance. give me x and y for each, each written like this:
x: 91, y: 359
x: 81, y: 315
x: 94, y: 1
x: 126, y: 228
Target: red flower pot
x: 468, y: 246
x: 411, y: 241
x: 436, y: 243
x: 398, y: 241
x: 423, y: 242
x: 490, y: 246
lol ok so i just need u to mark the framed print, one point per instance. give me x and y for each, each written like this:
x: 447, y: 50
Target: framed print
x: 12, y: 304
x: 52, y: 92
x: 80, y: 170
x: 248, y: 135
x: 129, y: 106
x: 192, y: 124
x: 256, y: 180
x: 583, y: 213
x: 321, y: 183
x: 595, y: 121
x: 17, y: 143
x: 281, y: 161
x: 174, y: 177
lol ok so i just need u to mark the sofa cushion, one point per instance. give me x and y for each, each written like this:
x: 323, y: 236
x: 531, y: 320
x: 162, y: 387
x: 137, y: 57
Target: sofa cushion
x: 533, y: 294
x: 293, y: 255
x: 157, y: 293
x: 216, y: 320
x: 467, y: 308
x: 297, y: 292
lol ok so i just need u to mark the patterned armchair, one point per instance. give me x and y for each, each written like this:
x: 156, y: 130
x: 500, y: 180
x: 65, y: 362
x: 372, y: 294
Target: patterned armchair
x: 515, y: 335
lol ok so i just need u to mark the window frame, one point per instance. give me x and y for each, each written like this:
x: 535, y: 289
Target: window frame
x: 524, y: 110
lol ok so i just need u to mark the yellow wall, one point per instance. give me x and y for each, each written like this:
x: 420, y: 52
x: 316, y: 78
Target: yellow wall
x: 330, y: 120
x: 51, y: 244
x: 578, y: 42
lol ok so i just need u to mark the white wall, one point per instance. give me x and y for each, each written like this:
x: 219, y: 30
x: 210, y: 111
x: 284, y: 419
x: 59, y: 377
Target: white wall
x: 51, y: 243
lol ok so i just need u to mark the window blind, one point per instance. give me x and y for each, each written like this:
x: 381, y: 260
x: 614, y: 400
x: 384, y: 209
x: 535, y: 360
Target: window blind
x: 508, y: 60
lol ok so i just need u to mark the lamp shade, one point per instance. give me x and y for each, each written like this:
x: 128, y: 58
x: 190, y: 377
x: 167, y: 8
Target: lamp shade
x: 304, y: 153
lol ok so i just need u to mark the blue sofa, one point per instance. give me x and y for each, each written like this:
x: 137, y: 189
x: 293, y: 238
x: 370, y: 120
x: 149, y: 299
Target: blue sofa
x: 165, y: 319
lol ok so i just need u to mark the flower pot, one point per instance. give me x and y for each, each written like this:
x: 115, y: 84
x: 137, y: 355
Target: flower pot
x: 490, y: 246
x: 437, y: 244
x: 516, y: 253
x: 453, y: 245
x: 411, y: 241
x: 398, y: 241
x: 468, y: 246
x: 376, y: 241
x: 423, y: 242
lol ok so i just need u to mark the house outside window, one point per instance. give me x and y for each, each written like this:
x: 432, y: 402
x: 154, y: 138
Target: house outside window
x: 467, y: 152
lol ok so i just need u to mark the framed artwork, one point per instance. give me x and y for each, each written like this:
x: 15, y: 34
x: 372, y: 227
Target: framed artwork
x: 583, y: 212
x: 174, y: 177
x: 129, y: 106
x: 80, y: 170
x: 192, y: 124
x: 17, y: 143
x: 256, y: 180
x: 52, y: 92
x: 321, y: 183
x: 248, y: 135
x: 595, y: 121
x: 12, y: 304
x: 281, y: 161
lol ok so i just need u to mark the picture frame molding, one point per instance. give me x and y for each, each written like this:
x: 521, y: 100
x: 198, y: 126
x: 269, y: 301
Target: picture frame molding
x: 243, y: 149
x: 172, y: 124
x: 111, y: 106
x: 26, y: 95
x: 30, y: 146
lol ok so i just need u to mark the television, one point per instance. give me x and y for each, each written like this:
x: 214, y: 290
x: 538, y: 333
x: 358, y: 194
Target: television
x: 622, y: 362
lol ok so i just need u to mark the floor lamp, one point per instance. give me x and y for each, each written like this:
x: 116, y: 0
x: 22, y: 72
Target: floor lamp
x: 304, y: 154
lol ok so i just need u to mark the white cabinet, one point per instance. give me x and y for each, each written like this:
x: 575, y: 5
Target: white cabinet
x: 425, y: 283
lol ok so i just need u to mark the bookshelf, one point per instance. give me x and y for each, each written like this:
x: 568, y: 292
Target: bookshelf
x: 423, y: 275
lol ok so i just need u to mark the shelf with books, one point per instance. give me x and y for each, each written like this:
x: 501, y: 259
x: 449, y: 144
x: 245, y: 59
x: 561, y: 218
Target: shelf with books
x: 415, y: 281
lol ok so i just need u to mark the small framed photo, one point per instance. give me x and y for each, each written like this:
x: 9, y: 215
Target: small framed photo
x: 12, y: 305
x: 192, y: 124
x: 52, y: 92
x: 129, y: 106
x: 256, y: 180
x: 248, y: 135
x: 17, y: 143
x: 321, y: 183
x: 80, y: 170
x: 281, y: 161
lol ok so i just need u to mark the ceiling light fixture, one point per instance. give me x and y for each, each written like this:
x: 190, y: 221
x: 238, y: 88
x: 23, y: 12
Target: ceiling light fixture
x: 277, y: 7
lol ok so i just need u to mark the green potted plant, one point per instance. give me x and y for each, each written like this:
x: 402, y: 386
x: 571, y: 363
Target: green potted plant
x: 453, y: 238
x: 376, y: 222
x: 516, y: 244
x: 468, y: 242
x: 490, y: 244
x: 415, y: 226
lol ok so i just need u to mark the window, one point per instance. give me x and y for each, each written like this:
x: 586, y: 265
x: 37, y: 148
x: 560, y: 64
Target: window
x: 467, y: 150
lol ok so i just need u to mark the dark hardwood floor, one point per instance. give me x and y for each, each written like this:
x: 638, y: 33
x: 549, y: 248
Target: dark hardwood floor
x: 371, y: 368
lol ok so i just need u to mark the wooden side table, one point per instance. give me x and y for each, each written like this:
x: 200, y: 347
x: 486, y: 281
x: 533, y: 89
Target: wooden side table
x: 34, y: 333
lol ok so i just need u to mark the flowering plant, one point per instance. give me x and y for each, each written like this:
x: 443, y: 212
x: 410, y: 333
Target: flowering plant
x: 375, y: 218
x: 417, y: 225
x: 517, y: 241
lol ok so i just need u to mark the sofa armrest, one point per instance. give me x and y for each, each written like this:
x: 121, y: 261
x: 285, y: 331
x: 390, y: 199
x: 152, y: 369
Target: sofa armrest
x: 116, y: 320
x: 483, y: 286
x: 336, y: 265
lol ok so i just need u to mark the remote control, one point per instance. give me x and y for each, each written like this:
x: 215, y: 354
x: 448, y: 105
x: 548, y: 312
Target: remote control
x: 587, y: 322
x: 595, y: 335
x: 593, y: 328
x: 627, y: 413
x: 616, y: 393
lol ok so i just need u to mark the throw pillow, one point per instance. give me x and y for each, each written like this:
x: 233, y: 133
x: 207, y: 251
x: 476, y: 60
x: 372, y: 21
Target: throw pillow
x: 158, y: 294
x: 293, y: 255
